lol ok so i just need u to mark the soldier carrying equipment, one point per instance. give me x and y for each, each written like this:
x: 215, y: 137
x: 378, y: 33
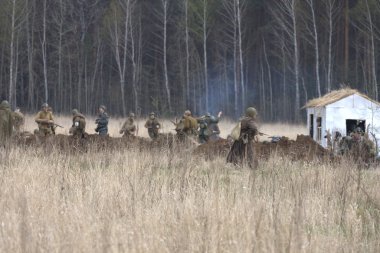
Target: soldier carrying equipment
x: 242, y: 150
x: 153, y: 126
x: 45, y: 121
x: 129, y: 128
x: 79, y: 124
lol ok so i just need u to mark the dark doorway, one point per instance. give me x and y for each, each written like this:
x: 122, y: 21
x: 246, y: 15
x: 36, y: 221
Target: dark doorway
x: 311, y: 130
x: 352, y: 124
x: 319, y: 128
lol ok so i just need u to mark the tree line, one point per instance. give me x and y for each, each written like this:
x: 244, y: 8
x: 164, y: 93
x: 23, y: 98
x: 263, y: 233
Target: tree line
x: 171, y: 55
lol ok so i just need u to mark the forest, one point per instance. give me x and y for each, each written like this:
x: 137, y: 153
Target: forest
x: 171, y: 55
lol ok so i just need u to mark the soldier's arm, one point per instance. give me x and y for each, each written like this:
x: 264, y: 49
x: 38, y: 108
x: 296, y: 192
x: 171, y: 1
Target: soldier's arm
x: 39, y: 120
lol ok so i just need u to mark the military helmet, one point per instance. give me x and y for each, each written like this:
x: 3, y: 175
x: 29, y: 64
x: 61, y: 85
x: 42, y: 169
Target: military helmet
x: 187, y: 113
x: 4, y: 103
x: 131, y: 115
x: 103, y: 107
x: 152, y: 114
x: 251, y: 112
x: 44, y: 105
x: 75, y: 111
x: 208, y: 114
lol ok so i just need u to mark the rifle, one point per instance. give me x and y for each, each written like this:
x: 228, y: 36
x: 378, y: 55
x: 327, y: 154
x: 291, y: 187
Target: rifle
x: 56, y: 125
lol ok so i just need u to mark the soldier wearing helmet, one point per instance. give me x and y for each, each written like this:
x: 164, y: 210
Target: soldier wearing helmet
x: 45, y: 121
x: 79, y: 124
x: 153, y: 126
x: 188, y: 125
x: 242, y: 151
x: 102, y: 121
x: 129, y: 127
x: 6, y: 122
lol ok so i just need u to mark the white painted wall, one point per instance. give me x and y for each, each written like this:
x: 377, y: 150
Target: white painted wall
x: 317, y: 112
x: 354, y: 107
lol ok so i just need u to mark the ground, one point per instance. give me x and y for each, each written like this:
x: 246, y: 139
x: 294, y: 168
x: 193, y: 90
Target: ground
x: 157, y: 201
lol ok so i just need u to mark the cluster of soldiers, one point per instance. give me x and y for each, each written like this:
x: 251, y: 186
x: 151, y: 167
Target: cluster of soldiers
x: 357, y: 141
x: 205, y: 128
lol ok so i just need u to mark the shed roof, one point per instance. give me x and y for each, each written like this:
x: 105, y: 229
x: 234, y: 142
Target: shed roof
x: 335, y: 96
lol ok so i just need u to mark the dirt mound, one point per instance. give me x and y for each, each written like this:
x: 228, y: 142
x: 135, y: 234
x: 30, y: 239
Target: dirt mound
x: 303, y: 148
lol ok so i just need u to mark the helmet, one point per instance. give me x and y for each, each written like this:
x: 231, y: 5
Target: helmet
x: 187, y: 113
x: 44, y: 105
x: 131, y: 115
x: 152, y: 114
x: 5, y: 104
x: 103, y: 107
x: 75, y: 111
x: 251, y: 112
x: 208, y: 114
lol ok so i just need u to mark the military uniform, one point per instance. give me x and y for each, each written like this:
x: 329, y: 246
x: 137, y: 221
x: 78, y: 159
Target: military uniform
x: 243, y: 150
x: 102, y: 124
x: 153, y: 126
x: 190, y: 125
x: 19, y: 121
x: 6, y: 122
x: 79, y: 124
x: 129, y: 128
x: 212, y: 130
x: 44, y: 126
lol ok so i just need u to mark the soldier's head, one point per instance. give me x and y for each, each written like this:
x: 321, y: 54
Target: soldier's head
x: 102, y: 108
x: 152, y: 115
x: 45, y: 107
x: 251, y: 112
x: 4, y: 104
x: 132, y: 115
x: 208, y: 115
x: 75, y: 112
x: 187, y: 113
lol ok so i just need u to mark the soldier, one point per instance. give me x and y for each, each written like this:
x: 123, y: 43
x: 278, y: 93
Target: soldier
x: 79, y: 124
x: 6, y: 122
x: 102, y: 121
x: 153, y: 126
x: 190, y: 124
x: 202, y: 133
x: 129, y: 128
x: 45, y: 121
x: 243, y: 150
x: 19, y: 120
x: 213, y: 130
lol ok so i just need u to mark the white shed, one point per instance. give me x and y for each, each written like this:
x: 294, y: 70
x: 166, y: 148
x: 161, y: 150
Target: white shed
x: 342, y: 111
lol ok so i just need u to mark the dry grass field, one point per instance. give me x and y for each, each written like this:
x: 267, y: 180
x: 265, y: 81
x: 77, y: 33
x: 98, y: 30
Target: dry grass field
x: 140, y: 201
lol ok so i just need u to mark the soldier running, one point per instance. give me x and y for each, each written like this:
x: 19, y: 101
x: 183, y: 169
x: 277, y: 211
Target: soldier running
x: 129, y: 128
x: 153, y: 126
x: 79, y: 124
x: 45, y: 121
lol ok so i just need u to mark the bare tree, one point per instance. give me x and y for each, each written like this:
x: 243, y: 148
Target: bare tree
x: 285, y: 14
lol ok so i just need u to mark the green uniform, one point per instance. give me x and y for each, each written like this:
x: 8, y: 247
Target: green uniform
x: 129, y: 128
x: 153, y: 127
x: 44, y: 128
x: 79, y: 125
x: 6, y: 122
x: 190, y: 125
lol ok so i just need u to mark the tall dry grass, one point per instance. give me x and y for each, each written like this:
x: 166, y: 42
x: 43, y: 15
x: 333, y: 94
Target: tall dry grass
x: 133, y: 201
